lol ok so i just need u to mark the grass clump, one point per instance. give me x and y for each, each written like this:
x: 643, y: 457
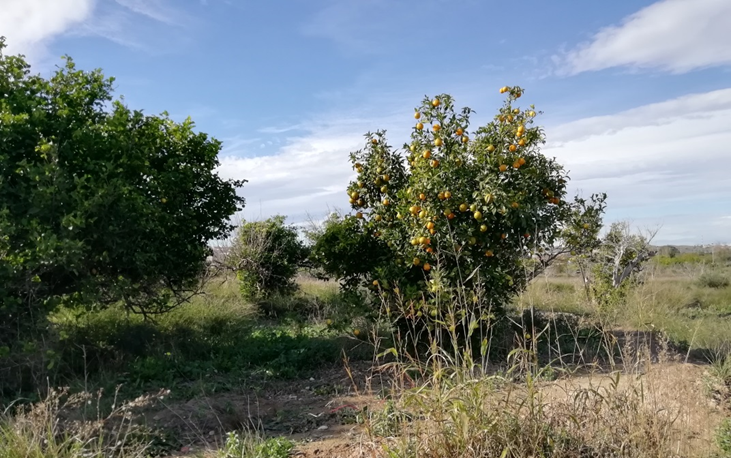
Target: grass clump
x: 253, y: 445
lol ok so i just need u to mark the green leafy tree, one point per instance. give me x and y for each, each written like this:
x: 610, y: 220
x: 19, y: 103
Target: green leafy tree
x: 266, y: 257
x: 617, y: 264
x: 481, y: 210
x: 99, y: 203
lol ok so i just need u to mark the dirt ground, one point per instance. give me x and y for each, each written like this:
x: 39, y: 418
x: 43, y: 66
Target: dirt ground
x: 320, y: 414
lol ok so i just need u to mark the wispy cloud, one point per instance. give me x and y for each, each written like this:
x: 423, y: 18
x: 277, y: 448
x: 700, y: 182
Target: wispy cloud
x: 672, y: 35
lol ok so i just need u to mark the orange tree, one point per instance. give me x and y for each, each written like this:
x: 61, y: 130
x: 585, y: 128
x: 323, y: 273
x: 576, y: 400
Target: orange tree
x: 479, y: 210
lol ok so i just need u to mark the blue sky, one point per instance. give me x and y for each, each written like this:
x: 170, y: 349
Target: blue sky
x: 636, y: 94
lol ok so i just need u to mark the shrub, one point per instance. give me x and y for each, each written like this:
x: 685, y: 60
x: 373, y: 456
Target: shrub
x: 98, y: 203
x: 267, y: 255
x: 483, y: 211
x: 713, y: 280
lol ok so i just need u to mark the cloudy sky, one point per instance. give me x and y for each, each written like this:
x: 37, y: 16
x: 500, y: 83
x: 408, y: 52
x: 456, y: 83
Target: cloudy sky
x: 636, y: 94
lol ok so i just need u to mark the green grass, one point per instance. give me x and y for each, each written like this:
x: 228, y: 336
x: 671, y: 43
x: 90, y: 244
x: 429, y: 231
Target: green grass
x: 691, y: 311
x: 208, y: 343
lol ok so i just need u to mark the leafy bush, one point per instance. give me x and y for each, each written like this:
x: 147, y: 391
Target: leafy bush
x: 485, y: 212
x: 617, y: 263
x: 713, y: 280
x: 267, y: 255
x: 98, y: 203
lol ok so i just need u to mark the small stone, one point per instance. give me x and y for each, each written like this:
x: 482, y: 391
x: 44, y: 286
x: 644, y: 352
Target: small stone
x: 322, y: 428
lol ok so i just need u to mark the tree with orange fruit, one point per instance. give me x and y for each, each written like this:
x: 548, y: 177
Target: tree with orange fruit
x: 460, y: 208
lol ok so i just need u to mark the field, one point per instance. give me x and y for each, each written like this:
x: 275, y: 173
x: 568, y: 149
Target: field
x: 219, y: 377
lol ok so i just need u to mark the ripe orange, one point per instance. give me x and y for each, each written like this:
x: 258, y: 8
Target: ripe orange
x: 463, y: 207
x: 417, y: 115
x: 354, y: 195
x: 426, y: 154
x: 521, y: 142
x: 419, y: 126
x: 478, y: 215
x: 356, y: 332
x: 374, y: 141
x: 465, y: 139
x: 503, y: 236
x: 512, y: 148
x: 440, y: 196
x: 515, y: 205
x: 435, y: 103
x: 516, y: 111
x: 436, y: 127
x: 489, y: 253
x: 351, y: 201
x: 503, y: 167
x: 427, y: 267
x: 432, y: 232
x: 360, y: 202
x: 430, y: 225
x: 438, y: 142
x: 386, y: 202
x: 447, y: 194
x: 504, y: 89
x: 490, y: 148
x: 459, y: 131
x: 435, y: 163
x: 423, y: 214
x: 450, y: 216
x: 386, y: 177
x: 517, y: 95
x: 526, y: 235
x: 417, y: 261
x: 483, y: 228
x: 516, y: 164
x: 422, y: 196
x: 510, y: 118
x: 521, y: 161
x: 531, y: 113
x: 359, y: 215
x: 375, y: 282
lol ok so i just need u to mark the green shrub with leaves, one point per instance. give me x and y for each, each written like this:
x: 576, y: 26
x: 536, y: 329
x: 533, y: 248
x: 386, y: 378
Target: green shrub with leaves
x: 481, y: 210
x: 98, y: 203
x: 714, y: 280
x: 617, y: 264
x: 266, y: 256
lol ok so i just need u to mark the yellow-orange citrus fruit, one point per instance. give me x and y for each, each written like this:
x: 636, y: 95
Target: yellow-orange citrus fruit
x: 419, y: 126
x: 417, y: 115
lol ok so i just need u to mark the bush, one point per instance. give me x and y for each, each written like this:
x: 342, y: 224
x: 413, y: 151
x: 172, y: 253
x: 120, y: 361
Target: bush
x: 267, y: 255
x: 484, y: 212
x: 713, y: 280
x: 98, y: 203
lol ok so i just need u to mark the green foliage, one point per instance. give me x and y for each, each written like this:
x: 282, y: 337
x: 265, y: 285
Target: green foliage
x: 253, y: 445
x: 713, y: 279
x: 668, y: 251
x: 99, y: 203
x: 683, y: 258
x: 267, y: 255
x: 344, y: 251
x: 617, y: 264
x: 723, y: 437
x: 485, y: 212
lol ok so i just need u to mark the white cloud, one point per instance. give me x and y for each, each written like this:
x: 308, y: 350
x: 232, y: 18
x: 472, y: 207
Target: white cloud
x: 672, y: 35
x: 664, y: 164
x: 29, y: 25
